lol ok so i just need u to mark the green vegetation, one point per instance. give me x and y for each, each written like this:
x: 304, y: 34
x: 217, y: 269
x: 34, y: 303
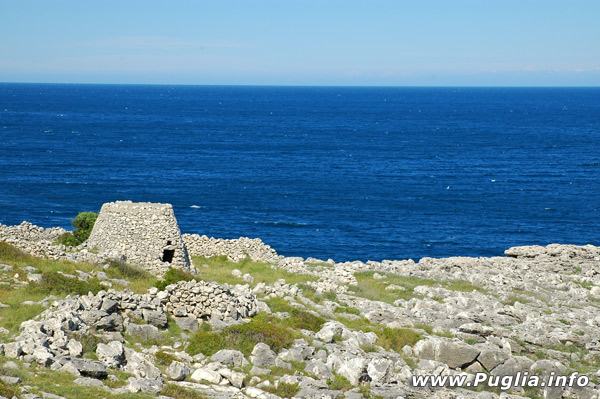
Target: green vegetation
x: 396, y: 338
x: 283, y: 390
x: 173, y: 276
x: 512, y: 299
x: 347, y: 309
x: 8, y: 391
x: 58, y: 284
x: 365, y: 391
x: 83, y: 224
x: 12, y: 317
x: 56, y: 382
x: 310, y: 293
x: 262, y: 328
x: 299, y: 318
x: 219, y: 270
x: 374, y: 289
x: 120, y: 269
x: 164, y: 358
x: 175, y: 391
x: 140, y: 280
x: 339, y: 383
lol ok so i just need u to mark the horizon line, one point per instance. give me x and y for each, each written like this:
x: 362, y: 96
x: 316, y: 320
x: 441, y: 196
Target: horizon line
x: 301, y: 85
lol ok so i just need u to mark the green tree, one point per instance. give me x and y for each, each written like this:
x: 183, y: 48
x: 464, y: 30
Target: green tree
x: 83, y: 225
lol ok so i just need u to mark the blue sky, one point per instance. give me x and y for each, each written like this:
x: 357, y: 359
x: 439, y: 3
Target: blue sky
x: 302, y: 42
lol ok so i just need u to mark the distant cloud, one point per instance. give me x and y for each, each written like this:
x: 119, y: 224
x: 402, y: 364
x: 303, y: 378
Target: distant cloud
x: 156, y: 42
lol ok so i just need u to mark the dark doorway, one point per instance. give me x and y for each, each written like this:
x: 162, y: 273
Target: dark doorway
x: 168, y: 255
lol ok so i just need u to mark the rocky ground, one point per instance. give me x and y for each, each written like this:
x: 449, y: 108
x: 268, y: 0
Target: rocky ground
x: 267, y: 326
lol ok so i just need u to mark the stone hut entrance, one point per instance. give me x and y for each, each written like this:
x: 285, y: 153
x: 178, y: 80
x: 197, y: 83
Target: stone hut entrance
x: 168, y: 255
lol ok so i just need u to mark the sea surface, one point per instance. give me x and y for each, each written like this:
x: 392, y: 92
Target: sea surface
x: 331, y: 172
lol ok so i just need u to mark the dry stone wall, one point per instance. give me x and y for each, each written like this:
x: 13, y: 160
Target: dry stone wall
x: 144, y: 234
x: 235, y: 250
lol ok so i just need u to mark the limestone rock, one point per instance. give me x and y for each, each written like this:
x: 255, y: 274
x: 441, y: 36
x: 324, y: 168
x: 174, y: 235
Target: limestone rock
x: 263, y: 356
x: 177, y: 371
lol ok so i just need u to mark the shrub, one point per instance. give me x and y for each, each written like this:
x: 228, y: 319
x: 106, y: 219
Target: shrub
x: 83, y: 225
x: 397, y: 338
x: 263, y: 328
x: 172, y: 276
x: 164, y: 358
x: 339, y: 383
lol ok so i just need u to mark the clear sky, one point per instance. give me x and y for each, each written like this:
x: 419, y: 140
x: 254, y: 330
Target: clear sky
x: 302, y: 42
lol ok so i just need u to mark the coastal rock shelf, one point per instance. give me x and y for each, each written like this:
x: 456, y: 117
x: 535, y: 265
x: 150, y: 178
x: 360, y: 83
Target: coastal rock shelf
x: 275, y: 326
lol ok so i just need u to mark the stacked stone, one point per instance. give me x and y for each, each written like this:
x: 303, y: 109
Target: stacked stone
x: 207, y: 300
x: 39, y: 242
x: 143, y: 234
x: 53, y: 336
x: 235, y: 250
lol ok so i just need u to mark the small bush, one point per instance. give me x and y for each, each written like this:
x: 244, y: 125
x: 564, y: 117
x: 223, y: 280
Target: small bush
x: 206, y: 342
x: 396, y: 338
x: 173, y: 276
x: 263, y: 328
x: 89, y: 342
x: 339, y: 383
x: 164, y: 358
x: 83, y: 224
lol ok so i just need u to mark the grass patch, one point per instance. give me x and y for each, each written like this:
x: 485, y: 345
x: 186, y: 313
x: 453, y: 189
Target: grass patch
x: 8, y: 391
x: 512, y: 299
x: 12, y: 317
x: 17, y: 258
x: 57, y: 284
x: 310, y: 293
x: 396, y: 338
x: 339, y: 383
x: 374, y: 289
x: 61, y: 383
x: 173, y: 276
x: 283, y: 390
x: 175, y: 391
x: 120, y: 269
x: 263, y: 328
x: 219, y: 270
x: 361, y: 324
x: 347, y: 309
x: 299, y: 318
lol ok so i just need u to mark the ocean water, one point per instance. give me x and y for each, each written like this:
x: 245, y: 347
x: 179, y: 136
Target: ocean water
x: 331, y: 172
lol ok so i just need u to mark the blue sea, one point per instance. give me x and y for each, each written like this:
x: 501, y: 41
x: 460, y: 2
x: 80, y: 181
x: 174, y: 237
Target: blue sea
x: 331, y: 172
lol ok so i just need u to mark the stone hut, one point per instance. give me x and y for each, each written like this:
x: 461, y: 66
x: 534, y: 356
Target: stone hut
x: 141, y: 233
